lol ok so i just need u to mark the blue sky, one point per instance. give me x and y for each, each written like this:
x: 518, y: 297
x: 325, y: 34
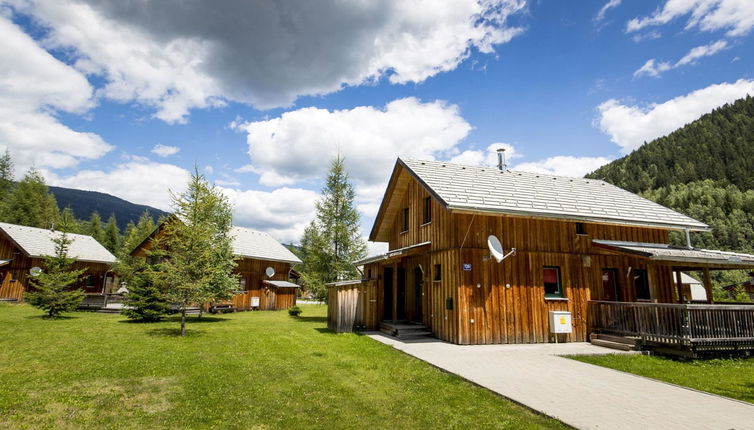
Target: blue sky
x: 259, y: 96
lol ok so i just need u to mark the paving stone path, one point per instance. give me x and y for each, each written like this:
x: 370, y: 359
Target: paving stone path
x: 580, y: 394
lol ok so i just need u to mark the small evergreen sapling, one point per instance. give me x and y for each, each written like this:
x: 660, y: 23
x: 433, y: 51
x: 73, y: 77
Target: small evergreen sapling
x: 52, y: 288
x: 144, y: 300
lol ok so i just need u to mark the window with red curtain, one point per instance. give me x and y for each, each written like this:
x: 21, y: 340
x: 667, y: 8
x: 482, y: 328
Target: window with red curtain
x: 551, y: 276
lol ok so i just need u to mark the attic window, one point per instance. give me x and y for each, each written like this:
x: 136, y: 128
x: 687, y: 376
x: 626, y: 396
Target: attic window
x: 404, y: 227
x: 427, y: 210
x: 580, y: 228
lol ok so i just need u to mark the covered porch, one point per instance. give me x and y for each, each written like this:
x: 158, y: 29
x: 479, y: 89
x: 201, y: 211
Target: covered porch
x: 670, y: 321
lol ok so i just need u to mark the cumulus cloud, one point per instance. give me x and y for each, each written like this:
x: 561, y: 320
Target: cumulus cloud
x: 564, y: 165
x: 654, y: 69
x: 35, y: 85
x: 486, y: 157
x: 631, y: 126
x: 283, y: 212
x: 295, y: 146
x: 735, y: 16
x: 165, y: 150
x: 142, y: 182
x: 175, y: 57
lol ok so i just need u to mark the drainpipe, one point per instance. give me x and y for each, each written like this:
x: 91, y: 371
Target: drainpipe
x: 688, y: 239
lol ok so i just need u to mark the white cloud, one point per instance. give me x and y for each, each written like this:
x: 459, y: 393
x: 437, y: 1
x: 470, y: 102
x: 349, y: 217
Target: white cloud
x: 284, y: 212
x: 164, y: 54
x: 654, y: 69
x: 735, y: 16
x: 35, y: 85
x: 630, y: 126
x: 603, y: 10
x: 564, y: 165
x: 146, y: 183
x: 486, y: 157
x: 297, y: 145
x: 165, y: 150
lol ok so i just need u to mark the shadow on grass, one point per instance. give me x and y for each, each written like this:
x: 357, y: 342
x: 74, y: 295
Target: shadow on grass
x: 48, y: 318
x: 311, y: 319
x: 173, y: 332
x: 192, y: 319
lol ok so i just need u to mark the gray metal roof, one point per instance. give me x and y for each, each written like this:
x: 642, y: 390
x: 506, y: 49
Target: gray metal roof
x: 281, y: 284
x: 389, y: 254
x: 37, y: 243
x: 488, y: 189
x: 260, y: 245
x: 663, y: 252
x: 343, y: 283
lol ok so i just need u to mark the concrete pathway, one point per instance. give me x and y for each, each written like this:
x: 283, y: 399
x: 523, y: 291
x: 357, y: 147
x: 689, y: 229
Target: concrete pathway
x: 582, y: 395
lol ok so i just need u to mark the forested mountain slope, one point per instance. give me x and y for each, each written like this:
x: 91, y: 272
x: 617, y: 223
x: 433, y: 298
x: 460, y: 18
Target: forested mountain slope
x: 704, y: 169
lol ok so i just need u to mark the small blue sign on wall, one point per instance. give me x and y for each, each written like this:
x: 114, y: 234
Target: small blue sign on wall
x: 467, y: 267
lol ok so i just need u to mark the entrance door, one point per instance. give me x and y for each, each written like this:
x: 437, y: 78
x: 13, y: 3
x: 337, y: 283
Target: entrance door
x: 401, y: 293
x: 418, y: 289
x: 610, y: 289
x: 387, y: 293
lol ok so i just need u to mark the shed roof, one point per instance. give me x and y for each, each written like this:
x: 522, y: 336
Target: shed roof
x: 281, y: 284
x: 678, y: 254
x: 260, y: 245
x: 487, y: 189
x: 38, y: 243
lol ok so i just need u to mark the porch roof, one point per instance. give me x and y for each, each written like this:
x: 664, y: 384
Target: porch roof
x: 390, y: 254
x: 281, y: 284
x: 4, y: 262
x: 677, y: 254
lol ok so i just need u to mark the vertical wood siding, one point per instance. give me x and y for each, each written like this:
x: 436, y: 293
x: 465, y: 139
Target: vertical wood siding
x: 506, y: 301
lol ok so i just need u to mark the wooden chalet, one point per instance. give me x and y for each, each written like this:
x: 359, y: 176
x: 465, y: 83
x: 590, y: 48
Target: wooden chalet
x: 582, y: 246
x: 255, y: 252
x: 23, y: 248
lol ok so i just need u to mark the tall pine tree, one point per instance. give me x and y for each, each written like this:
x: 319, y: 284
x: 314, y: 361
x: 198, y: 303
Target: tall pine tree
x: 111, y: 235
x: 332, y: 242
x: 94, y: 228
x: 200, y: 265
x: 68, y: 222
x: 31, y: 203
x: 6, y: 180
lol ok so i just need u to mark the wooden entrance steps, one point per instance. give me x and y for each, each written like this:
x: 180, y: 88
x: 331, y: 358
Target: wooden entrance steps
x: 405, y: 329
x: 621, y: 343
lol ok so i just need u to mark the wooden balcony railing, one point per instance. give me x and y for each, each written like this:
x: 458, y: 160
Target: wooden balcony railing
x: 681, y: 325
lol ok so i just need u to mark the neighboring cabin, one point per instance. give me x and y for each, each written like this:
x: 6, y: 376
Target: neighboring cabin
x: 577, y: 240
x: 22, y: 248
x: 255, y: 252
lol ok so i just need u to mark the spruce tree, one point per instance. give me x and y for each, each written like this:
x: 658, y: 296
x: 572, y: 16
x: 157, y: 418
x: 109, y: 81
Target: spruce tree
x: 94, y: 228
x: 332, y: 242
x: 6, y: 181
x: 111, y: 235
x: 31, y: 203
x: 200, y: 263
x: 68, y: 222
x: 52, y: 288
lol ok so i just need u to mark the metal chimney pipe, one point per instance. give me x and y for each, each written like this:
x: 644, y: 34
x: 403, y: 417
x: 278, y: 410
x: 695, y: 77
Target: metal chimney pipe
x: 501, y: 159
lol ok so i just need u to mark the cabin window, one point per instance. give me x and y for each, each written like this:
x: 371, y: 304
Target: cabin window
x: 404, y: 227
x: 438, y: 272
x: 91, y: 281
x: 369, y: 273
x: 580, y: 228
x: 553, y: 287
x: 641, y: 285
x: 427, y: 210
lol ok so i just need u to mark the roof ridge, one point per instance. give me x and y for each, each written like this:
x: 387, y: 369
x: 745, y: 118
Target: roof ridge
x: 516, y: 172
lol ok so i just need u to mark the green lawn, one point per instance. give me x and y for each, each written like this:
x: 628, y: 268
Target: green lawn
x: 243, y: 370
x: 727, y: 377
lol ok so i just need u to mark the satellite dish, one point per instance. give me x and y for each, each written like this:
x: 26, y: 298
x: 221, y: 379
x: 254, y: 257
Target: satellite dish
x: 270, y: 272
x: 496, y: 249
x: 35, y: 271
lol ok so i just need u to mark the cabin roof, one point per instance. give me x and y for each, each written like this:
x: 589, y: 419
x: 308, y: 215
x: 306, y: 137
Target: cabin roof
x: 487, y: 189
x: 671, y: 253
x: 251, y: 243
x: 37, y: 243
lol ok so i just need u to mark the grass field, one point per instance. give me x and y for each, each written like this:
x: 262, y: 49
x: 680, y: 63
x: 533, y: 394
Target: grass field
x: 727, y: 377
x: 243, y: 370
